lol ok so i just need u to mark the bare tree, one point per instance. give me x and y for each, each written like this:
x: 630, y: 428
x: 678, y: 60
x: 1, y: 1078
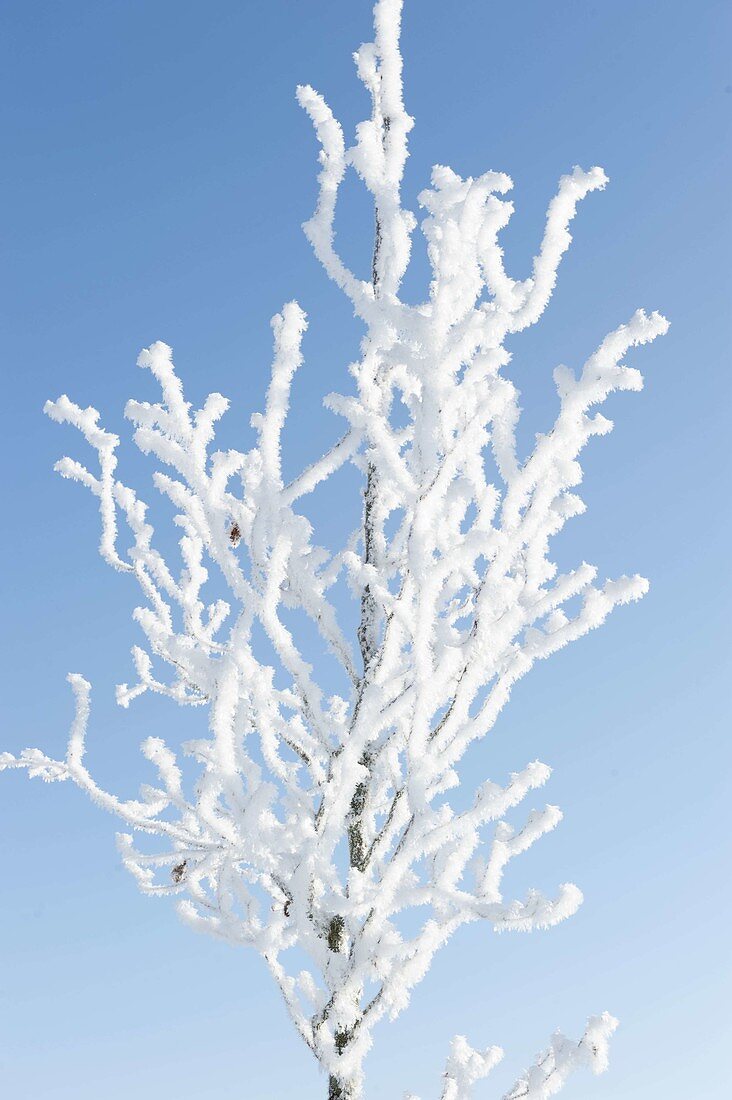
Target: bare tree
x: 316, y: 822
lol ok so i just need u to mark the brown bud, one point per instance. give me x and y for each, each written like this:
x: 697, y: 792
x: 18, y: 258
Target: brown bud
x: 179, y: 871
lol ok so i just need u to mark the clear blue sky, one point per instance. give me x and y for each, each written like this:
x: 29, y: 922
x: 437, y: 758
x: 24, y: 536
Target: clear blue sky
x: 156, y: 170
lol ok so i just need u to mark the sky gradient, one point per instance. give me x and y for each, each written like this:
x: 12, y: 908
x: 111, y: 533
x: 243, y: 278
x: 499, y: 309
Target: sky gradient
x: 156, y: 173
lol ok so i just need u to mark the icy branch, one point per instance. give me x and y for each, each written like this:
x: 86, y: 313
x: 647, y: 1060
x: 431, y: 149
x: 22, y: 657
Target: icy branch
x: 324, y: 822
x: 552, y: 1069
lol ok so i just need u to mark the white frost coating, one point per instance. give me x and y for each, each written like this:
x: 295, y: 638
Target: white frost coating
x: 465, y: 1066
x: 551, y: 1069
x: 321, y: 822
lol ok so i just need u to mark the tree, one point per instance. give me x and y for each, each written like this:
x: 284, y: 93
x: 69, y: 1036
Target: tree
x: 315, y: 822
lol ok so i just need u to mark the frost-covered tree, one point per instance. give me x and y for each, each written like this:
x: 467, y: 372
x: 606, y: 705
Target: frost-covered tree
x: 306, y: 826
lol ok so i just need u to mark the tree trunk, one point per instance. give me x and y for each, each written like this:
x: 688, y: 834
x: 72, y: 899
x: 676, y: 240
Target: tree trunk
x: 345, y: 1088
x: 339, y: 1089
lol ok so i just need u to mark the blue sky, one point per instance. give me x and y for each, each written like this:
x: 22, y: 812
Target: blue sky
x: 155, y: 174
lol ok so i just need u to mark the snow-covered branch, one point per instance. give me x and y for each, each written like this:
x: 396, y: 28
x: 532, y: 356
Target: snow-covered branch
x: 551, y: 1070
x: 320, y: 822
